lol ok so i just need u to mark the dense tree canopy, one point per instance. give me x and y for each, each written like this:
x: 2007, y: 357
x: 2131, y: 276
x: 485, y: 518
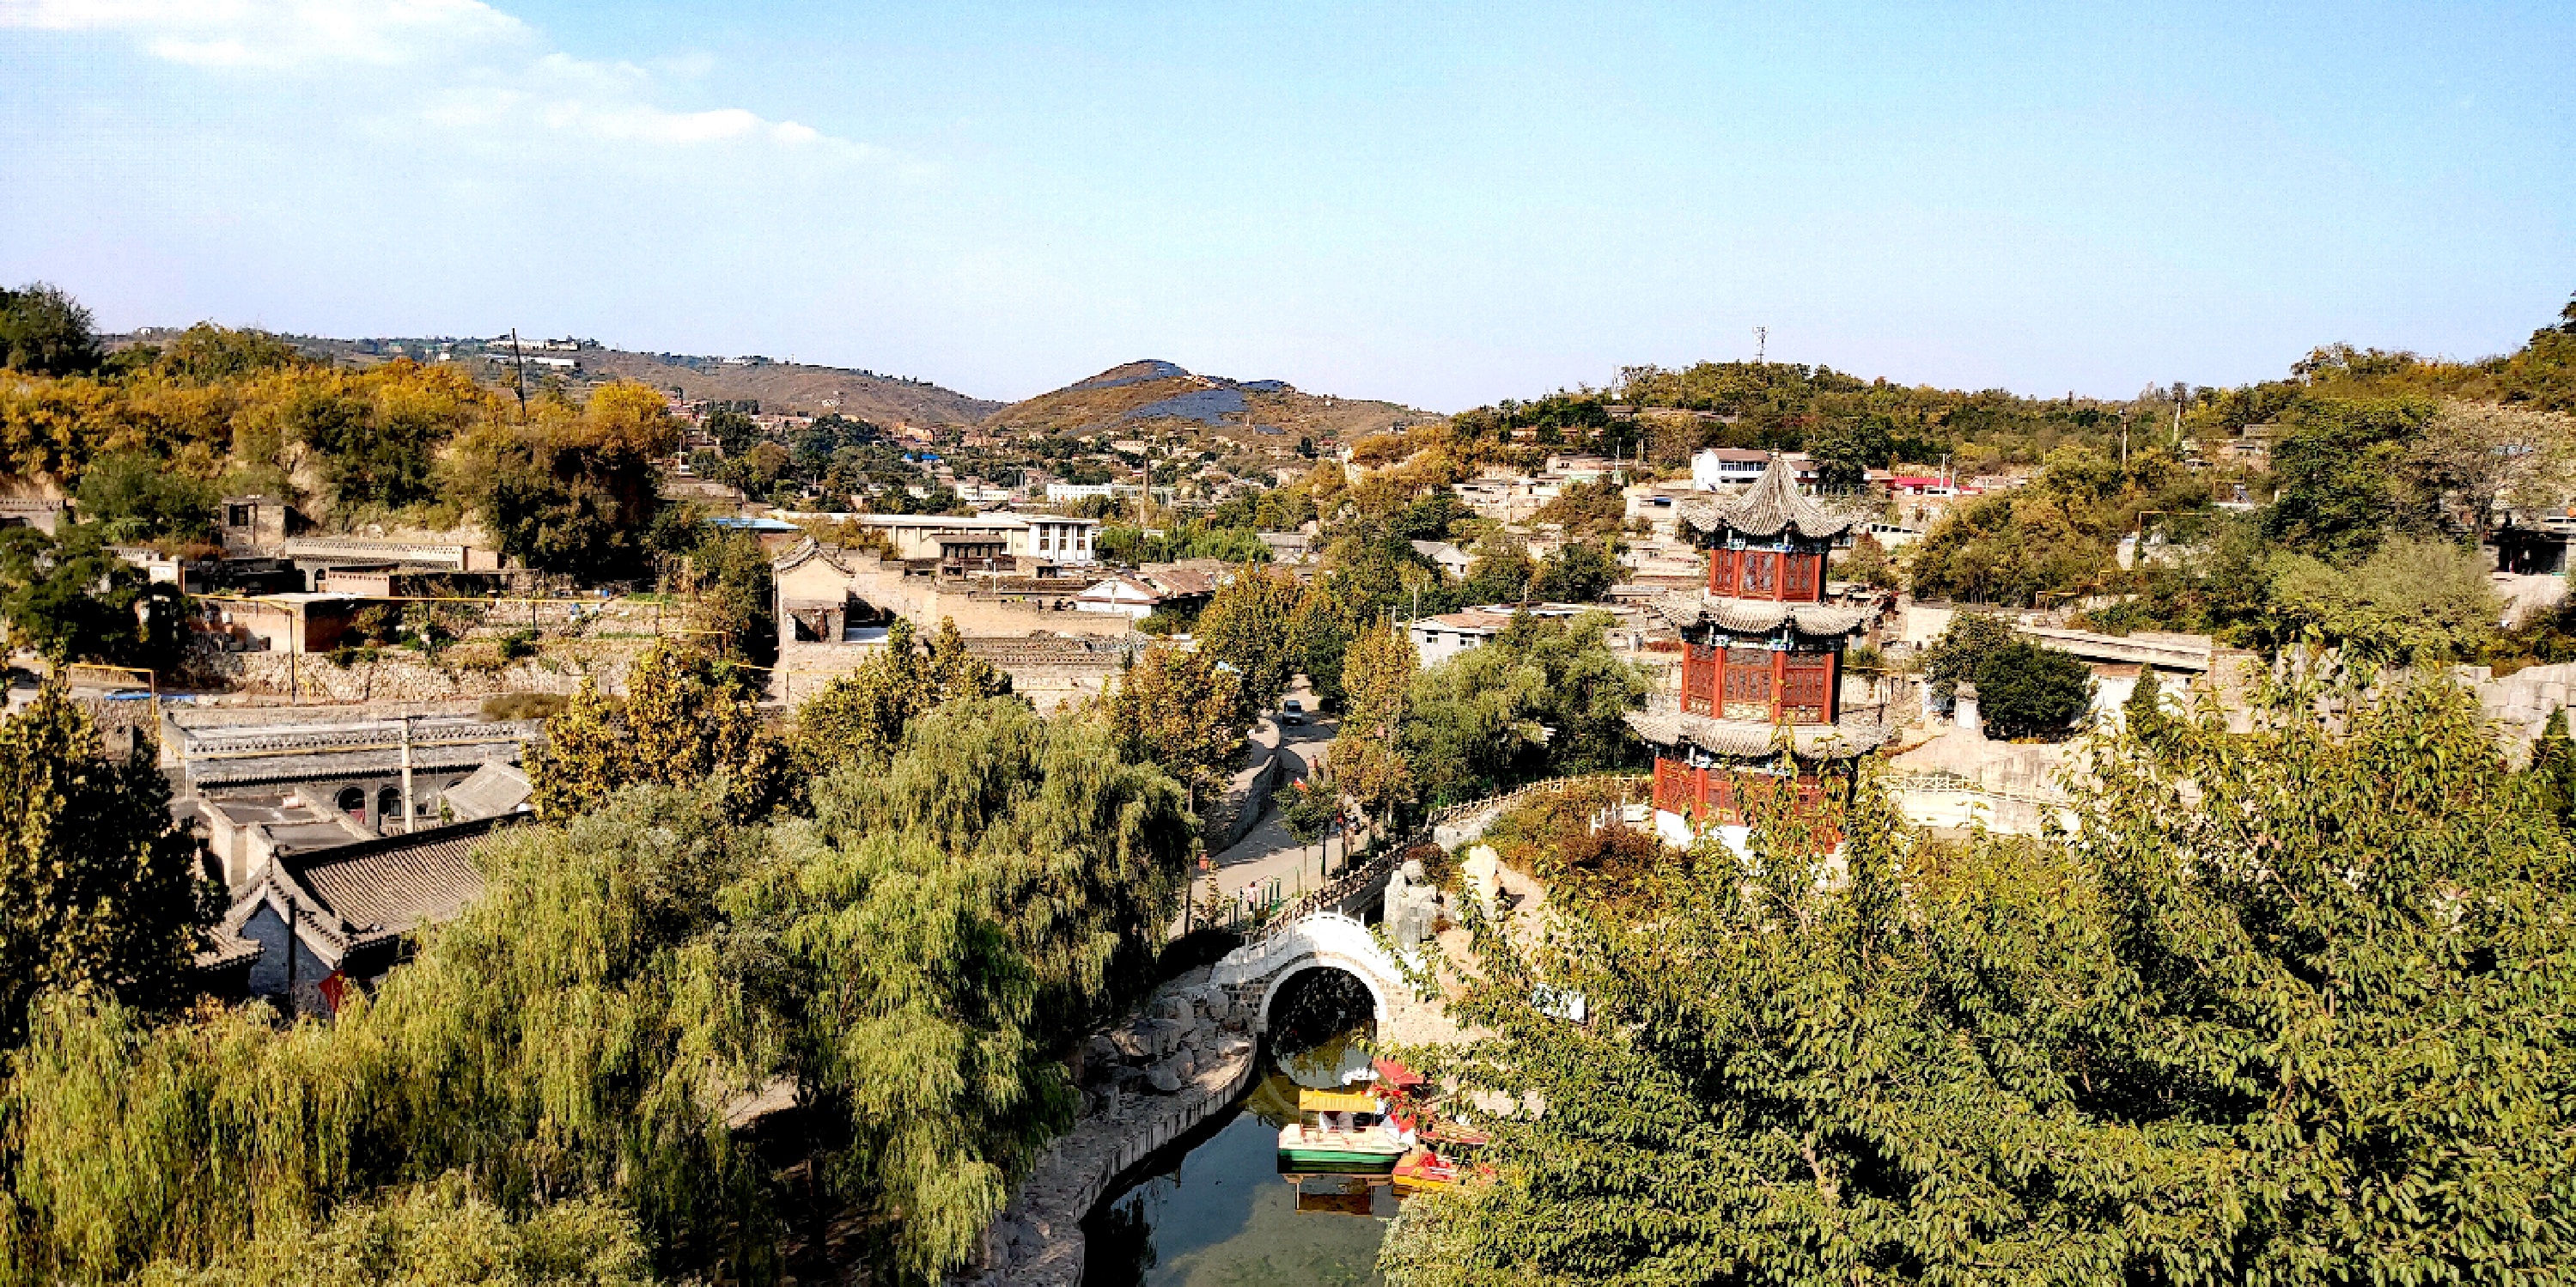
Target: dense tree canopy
x: 100, y: 891
x: 686, y: 718
x: 1546, y: 697
x: 2287, y: 1007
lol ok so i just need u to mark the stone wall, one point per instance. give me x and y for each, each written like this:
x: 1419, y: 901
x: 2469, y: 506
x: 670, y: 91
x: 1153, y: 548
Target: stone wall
x: 400, y: 675
x: 1248, y: 795
x: 1184, y: 1059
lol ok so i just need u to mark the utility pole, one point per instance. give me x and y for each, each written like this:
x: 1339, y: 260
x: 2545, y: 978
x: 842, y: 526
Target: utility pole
x: 1761, y: 345
x: 410, y: 811
x: 521, y: 360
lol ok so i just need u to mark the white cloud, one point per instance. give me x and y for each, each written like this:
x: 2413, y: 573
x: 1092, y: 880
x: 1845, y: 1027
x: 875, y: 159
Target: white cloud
x: 281, y: 33
x: 466, y: 64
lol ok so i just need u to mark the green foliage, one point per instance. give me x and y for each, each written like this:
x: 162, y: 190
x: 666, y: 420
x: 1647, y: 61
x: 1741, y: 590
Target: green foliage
x: 1249, y: 624
x: 2285, y: 1007
x: 573, y: 1036
x: 574, y: 490
x: 1968, y: 639
x: 687, y: 718
x: 45, y: 332
x: 1574, y: 574
x: 1188, y: 539
x: 206, y: 354
x: 2054, y: 538
x: 860, y: 717
x: 69, y: 597
x: 1546, y: 697
x: 1589, y: 512
x: 2340, y: 463
x: 1184, y: 712
x: 99, y: 890
x: 1369, y: 764
x: 2411, y: 602
x: 2027, y: 691
x: 433, y: 1235
x: 136, y: 499
x: 1868, y: 563
x: 963, y: 915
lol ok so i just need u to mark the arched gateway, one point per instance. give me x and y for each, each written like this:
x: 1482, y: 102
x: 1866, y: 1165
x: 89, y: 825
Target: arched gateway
x: 1319, y: 939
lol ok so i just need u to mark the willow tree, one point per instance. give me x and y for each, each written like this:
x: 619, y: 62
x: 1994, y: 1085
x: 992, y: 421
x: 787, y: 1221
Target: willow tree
x: 100, y: 891
x: 574, y: 1037
x: 962, y: 915
x: 2288, y: 1005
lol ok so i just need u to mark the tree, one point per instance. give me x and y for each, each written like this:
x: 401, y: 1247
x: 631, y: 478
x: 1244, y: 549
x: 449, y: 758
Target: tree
x: 2412, y: 602
x: 1868, y: 563
x: 2283, y: 1007
x: 45, y: 332
x: 1367, y: 758
x: 860, y: 717
x: 574, y: 1036
x: 136, y: 499
x: 964, y: 915
x: 687, y: 718
x: 1545, y: 697
x: 1968, y: 639
x: 2340, y: 463
x: 1575, y: 574
x: 1185, y: 712
x: 71, y: 598
x: 100, y: 891
x: 574, y: 491
x: 2027, y: 691
x: 2478, y: 456
x: 1246, y: 625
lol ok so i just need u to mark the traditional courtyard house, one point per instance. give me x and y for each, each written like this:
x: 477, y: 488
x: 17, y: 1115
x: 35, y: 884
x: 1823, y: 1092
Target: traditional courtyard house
x: 1761, y: 663
x: 356, y: 910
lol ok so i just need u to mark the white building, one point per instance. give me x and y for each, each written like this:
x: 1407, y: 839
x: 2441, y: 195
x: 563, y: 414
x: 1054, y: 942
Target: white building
x: 1120, y: 595
x: 1718, y: 468
x: 1437, y: 639
x: 970, y: 539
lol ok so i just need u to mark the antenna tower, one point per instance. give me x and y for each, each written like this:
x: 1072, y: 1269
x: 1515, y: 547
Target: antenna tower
x: 1761, y: 345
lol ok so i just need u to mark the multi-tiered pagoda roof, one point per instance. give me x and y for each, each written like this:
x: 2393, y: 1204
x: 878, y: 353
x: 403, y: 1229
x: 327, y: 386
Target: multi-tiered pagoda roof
x: 1761, y: 646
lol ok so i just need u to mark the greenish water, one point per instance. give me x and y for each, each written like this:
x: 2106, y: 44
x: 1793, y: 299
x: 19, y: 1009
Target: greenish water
x: 1213, y: 1210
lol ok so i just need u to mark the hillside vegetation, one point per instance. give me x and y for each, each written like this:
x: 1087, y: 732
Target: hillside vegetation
x: 1152, y: 394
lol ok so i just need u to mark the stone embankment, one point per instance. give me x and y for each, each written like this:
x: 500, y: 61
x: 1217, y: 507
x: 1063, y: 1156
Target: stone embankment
x: 1186, y: 1057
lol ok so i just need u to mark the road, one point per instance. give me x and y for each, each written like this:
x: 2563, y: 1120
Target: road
x: 1268, y: 851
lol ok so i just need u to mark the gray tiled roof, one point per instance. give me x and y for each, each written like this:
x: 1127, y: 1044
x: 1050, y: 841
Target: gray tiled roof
x: 1751, y: 739
x: 1772, y: 504
x: 1758, y: 616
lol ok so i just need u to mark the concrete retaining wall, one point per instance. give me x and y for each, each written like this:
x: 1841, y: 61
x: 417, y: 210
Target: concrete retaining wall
x: 399, y: 675
x: 1038, y: 1239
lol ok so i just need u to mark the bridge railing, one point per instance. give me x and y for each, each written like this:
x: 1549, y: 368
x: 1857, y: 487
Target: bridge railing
x: 1384, y: 854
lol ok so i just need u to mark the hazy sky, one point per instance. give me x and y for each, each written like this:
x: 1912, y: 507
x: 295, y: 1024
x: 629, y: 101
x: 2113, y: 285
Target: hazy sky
x: 1440, y: 205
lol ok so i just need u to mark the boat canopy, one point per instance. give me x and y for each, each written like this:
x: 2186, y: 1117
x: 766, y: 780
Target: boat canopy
x: 1335, y: 1101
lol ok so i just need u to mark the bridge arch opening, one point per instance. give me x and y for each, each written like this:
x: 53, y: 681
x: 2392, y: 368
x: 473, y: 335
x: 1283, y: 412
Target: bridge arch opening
x: 1314, y: 1001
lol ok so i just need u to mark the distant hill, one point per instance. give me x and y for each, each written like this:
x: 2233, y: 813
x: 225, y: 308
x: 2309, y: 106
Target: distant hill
x: 778, y: 386
x: 1154, y: 394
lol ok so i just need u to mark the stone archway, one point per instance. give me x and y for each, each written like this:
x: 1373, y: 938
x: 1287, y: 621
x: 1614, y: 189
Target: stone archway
x: 1323, y: 940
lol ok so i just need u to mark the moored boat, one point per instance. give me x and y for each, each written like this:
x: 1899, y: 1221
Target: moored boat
x: 1342, y: 1132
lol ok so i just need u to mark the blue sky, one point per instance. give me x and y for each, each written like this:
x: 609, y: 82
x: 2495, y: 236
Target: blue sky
x: 1443, y: 205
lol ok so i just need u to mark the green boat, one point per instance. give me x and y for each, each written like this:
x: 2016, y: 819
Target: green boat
x: 1312, y: 1151
x: 1342, y: 1134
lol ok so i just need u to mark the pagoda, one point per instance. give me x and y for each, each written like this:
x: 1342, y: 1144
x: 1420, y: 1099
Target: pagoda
x: 1762, y: 657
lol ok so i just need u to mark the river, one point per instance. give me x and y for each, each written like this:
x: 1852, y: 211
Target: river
x: 1212, y: 1209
